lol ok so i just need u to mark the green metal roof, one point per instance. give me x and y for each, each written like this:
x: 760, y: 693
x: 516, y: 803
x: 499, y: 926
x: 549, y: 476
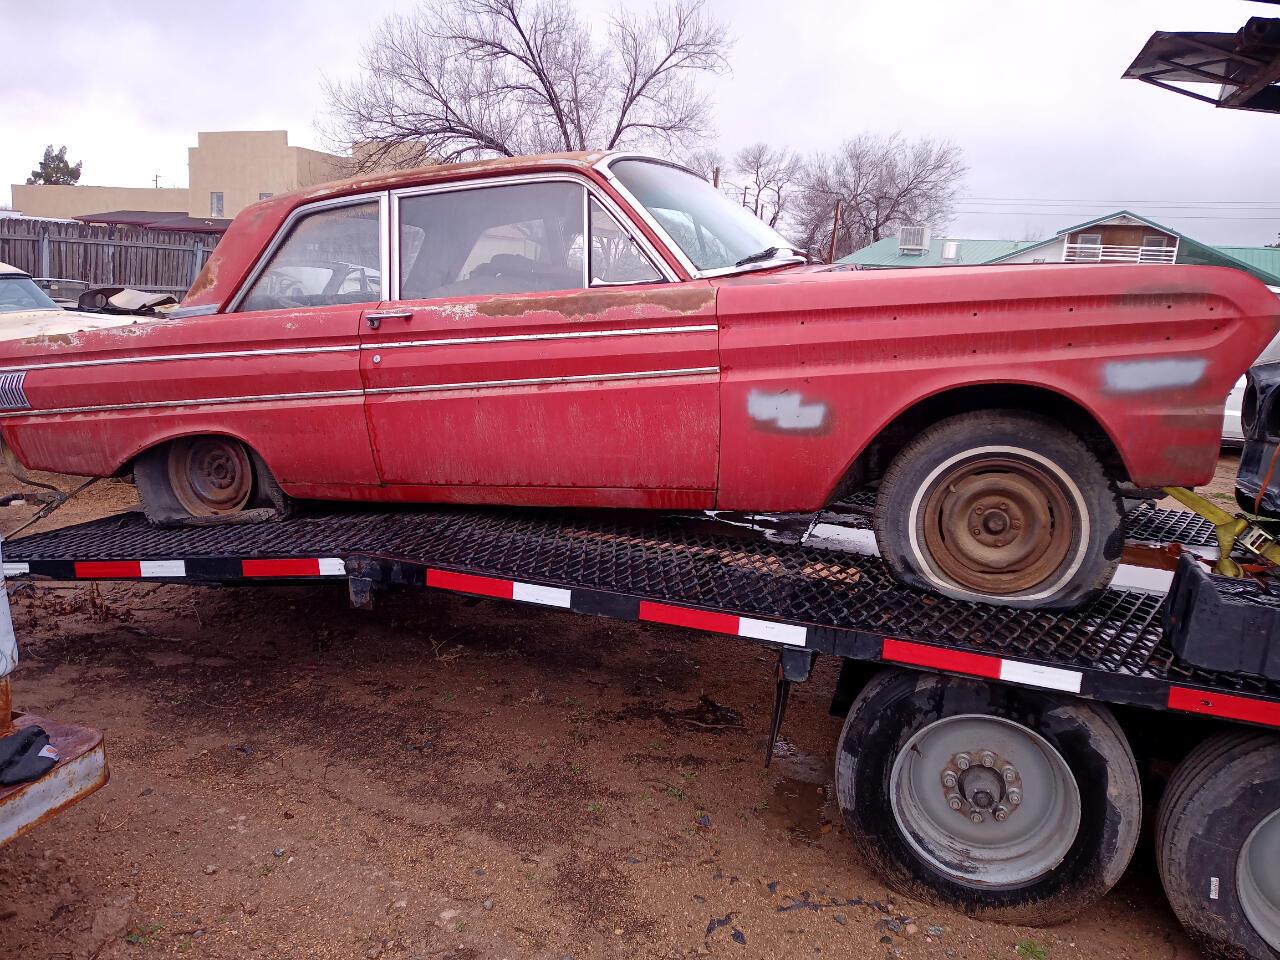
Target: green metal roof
x: 884, y: 253
x: 1262, y: 259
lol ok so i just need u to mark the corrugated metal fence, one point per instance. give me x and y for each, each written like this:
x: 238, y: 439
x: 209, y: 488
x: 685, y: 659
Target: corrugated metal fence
x: 160, y: 261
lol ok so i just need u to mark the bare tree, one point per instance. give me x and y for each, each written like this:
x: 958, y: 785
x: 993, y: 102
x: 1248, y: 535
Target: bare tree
x: 460, y: 79
x: 704, y: 161
x: 882, y: 184
x: 765, y: 175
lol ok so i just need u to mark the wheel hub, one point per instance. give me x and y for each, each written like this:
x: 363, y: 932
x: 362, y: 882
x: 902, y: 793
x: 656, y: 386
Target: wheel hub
x: 980, y: 784
x: 1000, y: 525
x: 210, y: 475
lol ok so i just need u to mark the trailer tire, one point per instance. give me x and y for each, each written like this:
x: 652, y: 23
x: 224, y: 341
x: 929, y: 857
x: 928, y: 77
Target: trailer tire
x: 1002, y: 507
x: 1219, y: 822
x: 1063, y: 846
x: 171, y: 494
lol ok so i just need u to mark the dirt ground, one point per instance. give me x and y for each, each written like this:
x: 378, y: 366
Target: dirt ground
x: 445, y: 777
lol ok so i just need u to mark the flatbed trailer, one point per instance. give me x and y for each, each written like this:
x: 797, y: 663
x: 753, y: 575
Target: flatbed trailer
x: 984, y: 733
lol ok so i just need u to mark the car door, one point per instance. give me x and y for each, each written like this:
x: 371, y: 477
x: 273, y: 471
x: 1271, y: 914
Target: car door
x: 532, y: 358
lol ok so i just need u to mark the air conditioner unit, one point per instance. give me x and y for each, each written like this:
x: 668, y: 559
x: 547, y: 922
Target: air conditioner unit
x: 913, y: 240
x: 951, y: 251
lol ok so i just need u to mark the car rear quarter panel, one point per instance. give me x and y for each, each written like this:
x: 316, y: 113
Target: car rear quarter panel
x: 171, y: 365
x: 815, y: 365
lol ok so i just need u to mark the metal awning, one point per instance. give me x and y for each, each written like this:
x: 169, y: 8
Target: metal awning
x: 1245, y: 65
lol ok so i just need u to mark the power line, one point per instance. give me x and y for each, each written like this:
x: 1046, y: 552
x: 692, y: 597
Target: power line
x: 1053, y: 200
x: 1048, y: 213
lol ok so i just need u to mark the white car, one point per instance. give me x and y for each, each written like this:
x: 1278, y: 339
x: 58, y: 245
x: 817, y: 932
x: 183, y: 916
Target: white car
x: 1232, y: 431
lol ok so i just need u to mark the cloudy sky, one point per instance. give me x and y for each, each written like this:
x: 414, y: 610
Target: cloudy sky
x: 1029, y: 90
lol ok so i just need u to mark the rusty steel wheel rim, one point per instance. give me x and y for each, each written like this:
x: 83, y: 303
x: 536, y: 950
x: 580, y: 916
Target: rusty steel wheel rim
x: 998, y: 525
x: 210, y: 476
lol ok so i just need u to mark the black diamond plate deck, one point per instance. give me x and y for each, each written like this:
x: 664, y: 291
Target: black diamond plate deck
x: 682, y: 560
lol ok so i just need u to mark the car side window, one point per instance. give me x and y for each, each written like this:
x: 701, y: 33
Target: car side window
x: 329, y: 257
x: 615, y: 256
x: 519, y: 238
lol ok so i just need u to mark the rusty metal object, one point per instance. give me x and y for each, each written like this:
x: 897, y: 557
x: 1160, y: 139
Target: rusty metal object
x: 210, y: 476
x: 6, y: 707
x: 999, y: 525
x: 81, y: 769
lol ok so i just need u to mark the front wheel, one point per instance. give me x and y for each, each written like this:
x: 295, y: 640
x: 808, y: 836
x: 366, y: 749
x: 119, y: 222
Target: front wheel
x: 1000, y: 507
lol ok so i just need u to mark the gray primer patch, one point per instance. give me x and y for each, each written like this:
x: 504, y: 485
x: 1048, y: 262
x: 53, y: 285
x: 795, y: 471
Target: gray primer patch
x: 786, y: 410
x: 1138, y: 376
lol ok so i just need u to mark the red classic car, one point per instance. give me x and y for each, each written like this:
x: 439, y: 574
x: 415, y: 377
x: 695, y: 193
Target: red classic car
x: 609, y: 330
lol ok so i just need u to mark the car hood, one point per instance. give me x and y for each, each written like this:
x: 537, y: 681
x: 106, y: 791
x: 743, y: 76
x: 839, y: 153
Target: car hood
x: 26, y: 324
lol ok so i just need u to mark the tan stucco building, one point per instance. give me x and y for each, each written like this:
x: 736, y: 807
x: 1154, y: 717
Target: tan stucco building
x: 228, y: 170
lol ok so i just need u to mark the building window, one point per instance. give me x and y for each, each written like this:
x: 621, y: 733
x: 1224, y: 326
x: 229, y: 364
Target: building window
x: 1091, y: 239
x: 1155, y: 241
x: 265, y: 196
x: 215, y: 203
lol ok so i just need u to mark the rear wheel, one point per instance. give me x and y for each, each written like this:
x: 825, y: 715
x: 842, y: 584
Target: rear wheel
x: 1009, y: 804
x: 1218, y: 845
x: 1001, y: 507
x: 206, y: 479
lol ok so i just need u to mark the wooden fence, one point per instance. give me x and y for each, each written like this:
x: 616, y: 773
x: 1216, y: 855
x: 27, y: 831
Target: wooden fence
x: 159, y: 261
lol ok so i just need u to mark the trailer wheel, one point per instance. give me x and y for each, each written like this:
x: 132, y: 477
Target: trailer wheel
x: 1218, y: 845
x: 1002, y: 507
x: 206, y: 479
x: 1008, y: 804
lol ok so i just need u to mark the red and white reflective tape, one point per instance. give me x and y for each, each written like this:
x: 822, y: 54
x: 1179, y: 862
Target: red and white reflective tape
x: 787, y: 633
x: 981, y: 665
x: 129, y: 569
x: 295, y: 567
x: 1226, y: 705
x: 502, y: 589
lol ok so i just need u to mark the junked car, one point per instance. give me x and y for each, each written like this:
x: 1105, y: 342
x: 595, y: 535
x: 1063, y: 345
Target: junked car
x: 608, y: 330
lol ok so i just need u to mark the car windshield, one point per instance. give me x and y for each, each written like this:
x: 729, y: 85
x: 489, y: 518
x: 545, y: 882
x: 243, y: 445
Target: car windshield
x: 714, y: 232
x: 18, y: 292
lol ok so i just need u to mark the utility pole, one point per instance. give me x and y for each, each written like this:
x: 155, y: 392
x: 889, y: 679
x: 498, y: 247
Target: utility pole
x: 835, y: 225
x: 715, y: 178
x: 156, y: 180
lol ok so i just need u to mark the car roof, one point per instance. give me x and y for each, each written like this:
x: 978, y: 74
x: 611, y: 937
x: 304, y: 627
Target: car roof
x: 10, y: 270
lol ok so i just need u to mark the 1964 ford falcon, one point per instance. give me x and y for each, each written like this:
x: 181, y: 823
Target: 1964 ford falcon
x: 609, y: 330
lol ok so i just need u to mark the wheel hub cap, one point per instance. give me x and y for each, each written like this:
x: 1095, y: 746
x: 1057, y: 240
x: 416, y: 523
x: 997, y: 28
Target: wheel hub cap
x: 1000, y: 525
x: 1258, y: 879
x: 210, y: 475
x: 959, y: 789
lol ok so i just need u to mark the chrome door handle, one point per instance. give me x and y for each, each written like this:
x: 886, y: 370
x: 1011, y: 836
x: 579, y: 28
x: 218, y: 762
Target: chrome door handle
x: 375, y: 319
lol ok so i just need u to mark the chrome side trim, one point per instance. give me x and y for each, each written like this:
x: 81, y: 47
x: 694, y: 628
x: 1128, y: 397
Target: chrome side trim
x: 288, y: 351
x: 326, y: 394
x: 535, y: 381
x: 152, y: 404
x: 519, y: 337
x: 159, y: 358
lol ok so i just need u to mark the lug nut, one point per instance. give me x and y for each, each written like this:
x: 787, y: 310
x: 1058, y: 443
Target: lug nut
x: 1003, y: 505
x: 977, y: 532
x: 955, y: 802
x: 1015, y: 796
x: 962, y: 761
x: 976, y: 817
x: 949, y: 779
x: 988, y: 758
x: 1017, y: 524
x: 1001, y: 813
x: 1010, y: 774
x: 980, y: 510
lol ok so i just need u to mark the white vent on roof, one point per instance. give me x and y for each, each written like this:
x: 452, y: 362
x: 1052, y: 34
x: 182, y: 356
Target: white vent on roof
x: 951, y: 250
x: 913, y: 240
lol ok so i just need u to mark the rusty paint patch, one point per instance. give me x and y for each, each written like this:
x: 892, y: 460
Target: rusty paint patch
x: 681, y: 300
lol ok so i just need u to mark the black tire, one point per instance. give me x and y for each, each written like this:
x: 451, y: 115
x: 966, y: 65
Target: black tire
x: 1216, y: 800
x: 153, y: 475
x: 1058, y: 546
x: 887, y: 721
